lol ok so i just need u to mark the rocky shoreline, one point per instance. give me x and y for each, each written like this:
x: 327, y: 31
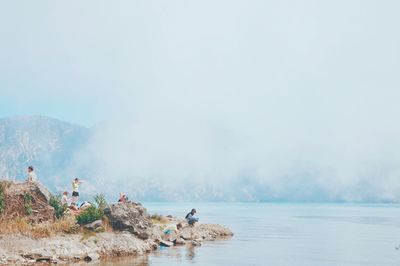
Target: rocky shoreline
x: 125, y: 230
x: 18, y: 249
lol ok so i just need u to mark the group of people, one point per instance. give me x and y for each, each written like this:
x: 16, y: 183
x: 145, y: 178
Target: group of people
x: 75, y: 193
x: 32, y: 177
x: 174, y: 234
x: 72, y: 204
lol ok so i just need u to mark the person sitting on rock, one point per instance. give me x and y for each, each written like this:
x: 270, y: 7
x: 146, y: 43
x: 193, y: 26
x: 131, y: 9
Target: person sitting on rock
x: 122, y: 197
x: 64, y: 199
x: 75, y: 189
x: 84, y: 205
x: 75, y: 210
x: 190, y: 217
x: 31, y: 175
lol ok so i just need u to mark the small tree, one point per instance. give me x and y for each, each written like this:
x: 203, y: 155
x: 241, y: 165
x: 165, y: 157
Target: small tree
x: 59, y: 208
x: 100, y: 200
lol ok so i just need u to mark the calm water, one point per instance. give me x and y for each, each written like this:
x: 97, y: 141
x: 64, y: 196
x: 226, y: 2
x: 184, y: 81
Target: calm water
x: 286, y: 234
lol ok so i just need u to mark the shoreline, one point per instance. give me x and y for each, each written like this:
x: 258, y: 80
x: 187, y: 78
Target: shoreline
x: 91, y: 246
x: 31, y: 232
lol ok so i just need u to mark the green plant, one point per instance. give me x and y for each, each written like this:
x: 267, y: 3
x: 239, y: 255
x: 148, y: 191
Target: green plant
x: 27, y: 203
x: 89, y: 215
x: 59, y: 208
x: 100, y: 200
x: 1, y: 197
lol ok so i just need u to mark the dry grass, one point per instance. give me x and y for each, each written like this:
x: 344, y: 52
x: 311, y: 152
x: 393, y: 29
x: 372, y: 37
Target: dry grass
x: 106, y: 225
x: 18, y: 225
x: 5, y: 183
x: 159, y: 219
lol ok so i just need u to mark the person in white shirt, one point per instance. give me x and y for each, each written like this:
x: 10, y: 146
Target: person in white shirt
x: 64, y: 199
x: 31, y: 175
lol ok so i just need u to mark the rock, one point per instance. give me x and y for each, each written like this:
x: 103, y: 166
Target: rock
x: 100, y: 229
x: 166, y: 243
x: 196, y: 242
x: 187, y: 232
x: 180, y: 241
x: 205, y: 231
x: 94, y: 225
x: 130, y: 217
x: 91, y: 257
x: 17, y: 193
x: 44, y: 258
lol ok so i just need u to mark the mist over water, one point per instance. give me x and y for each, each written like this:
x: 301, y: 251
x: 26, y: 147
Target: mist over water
x: 171, y: 160
x: 227, y: 100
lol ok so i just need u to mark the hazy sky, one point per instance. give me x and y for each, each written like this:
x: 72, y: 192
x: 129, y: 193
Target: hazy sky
x: 220, y: 88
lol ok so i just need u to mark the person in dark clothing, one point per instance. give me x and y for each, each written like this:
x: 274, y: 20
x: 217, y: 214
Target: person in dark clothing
x: 190, y: 217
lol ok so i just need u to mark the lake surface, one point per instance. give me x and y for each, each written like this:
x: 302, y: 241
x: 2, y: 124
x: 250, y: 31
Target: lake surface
x: 286, y: 234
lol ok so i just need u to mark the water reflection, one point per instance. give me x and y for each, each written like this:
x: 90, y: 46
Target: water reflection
x: 140, y: 260
x: 172, y: 254
x: 190, y: 254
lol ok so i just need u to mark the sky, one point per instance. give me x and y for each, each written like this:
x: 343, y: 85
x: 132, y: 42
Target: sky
x: 282, y: 91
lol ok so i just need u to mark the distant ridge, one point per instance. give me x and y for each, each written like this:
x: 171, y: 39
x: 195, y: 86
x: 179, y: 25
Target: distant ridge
x: 44, y: 142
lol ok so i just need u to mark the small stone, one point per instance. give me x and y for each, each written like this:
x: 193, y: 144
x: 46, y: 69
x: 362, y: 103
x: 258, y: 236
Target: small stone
x: 91, y: 257
x: 166, y: 243
x: 94, y: 225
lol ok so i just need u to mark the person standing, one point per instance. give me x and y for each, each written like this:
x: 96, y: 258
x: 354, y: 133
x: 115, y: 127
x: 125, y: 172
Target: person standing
x: 75, y: 189
x: 31, y: 175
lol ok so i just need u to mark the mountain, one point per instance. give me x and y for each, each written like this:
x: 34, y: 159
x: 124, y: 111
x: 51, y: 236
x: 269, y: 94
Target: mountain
x: 60, y: 151
x: 46, y: 143
x: 106, y: 160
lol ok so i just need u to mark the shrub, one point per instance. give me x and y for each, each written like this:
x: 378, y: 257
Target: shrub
x: 1, y: 197
x: 89, y: 215
x: 27, y: 203
x: 158, y: 219
x: 100, y: 200
x: 59, y: 208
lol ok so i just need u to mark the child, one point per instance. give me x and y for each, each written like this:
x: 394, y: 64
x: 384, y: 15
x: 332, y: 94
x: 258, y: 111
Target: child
x: 173, y: 234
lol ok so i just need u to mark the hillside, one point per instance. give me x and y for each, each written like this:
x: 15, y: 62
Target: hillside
x: 60, y: 151
x: 46, y: 143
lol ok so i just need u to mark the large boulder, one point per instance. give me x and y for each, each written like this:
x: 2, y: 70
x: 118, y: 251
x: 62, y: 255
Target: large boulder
x: 130, y: 216
x: 26, y: 199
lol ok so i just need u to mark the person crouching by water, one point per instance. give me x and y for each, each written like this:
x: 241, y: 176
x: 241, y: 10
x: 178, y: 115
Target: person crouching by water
x: 122, y: 197
x: 75, y: 189
x: 174, y: 234
x: 190, y: 217
x: 31, y: 175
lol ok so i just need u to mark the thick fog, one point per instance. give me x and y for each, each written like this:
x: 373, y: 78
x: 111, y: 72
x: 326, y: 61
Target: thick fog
x: 216, y: 100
